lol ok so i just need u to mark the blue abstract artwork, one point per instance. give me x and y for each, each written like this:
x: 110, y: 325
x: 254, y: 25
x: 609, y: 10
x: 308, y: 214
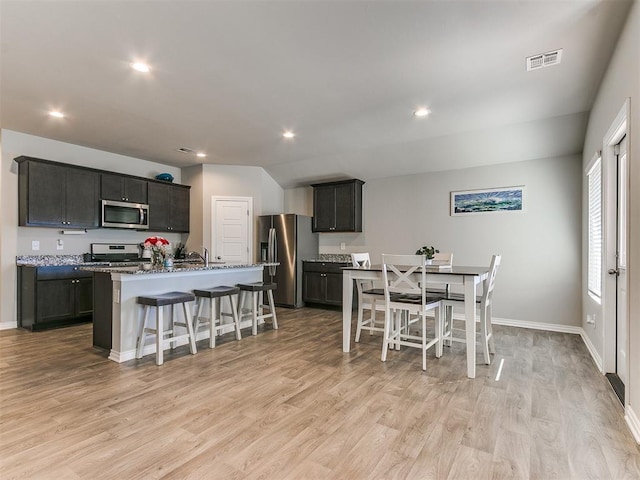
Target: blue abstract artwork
x: 506, y: 199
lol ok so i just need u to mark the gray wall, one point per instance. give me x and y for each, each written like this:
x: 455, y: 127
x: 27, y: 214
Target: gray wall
x: 622, y: 81
x: 539, y: 280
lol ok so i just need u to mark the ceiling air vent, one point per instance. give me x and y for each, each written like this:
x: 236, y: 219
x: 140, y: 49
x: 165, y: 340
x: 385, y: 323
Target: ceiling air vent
x: 544, y: 60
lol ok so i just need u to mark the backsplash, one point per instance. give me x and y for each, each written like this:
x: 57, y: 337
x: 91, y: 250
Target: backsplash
x: 334, y: 257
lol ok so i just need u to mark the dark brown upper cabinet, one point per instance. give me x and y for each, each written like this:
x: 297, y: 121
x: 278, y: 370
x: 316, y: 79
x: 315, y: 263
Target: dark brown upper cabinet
x: 168, y: 207
x: 52, y: 194
x: 123, y: 188
x: 337, y: 206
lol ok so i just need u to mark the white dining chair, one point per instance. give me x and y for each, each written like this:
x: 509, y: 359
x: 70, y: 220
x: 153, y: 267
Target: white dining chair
x: 444, y: 259
x: 483, y: 304
x: 405, y: 280
x: 369, y: 298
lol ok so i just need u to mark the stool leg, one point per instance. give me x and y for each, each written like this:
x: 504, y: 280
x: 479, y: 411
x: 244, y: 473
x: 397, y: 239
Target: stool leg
x: 159, y: 336
x: 234, y: 314
x: 272, y: 307
x: 172, y: 326
x: 189, y: 322
x: 143, y: 325
x: 254, y: 313
x: 212, y: 322
x: 196, y: 321
x: 241, y: 300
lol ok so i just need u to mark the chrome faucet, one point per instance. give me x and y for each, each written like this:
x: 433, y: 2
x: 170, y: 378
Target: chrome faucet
x: 204, y: 256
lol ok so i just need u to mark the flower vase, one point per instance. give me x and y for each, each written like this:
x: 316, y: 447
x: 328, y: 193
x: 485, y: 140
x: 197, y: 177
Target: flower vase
x: 157, y: 260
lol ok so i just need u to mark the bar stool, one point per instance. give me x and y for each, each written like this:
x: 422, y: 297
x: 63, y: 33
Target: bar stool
x: 214, y: 296
x: 257, y: 306
x: 157, y: 302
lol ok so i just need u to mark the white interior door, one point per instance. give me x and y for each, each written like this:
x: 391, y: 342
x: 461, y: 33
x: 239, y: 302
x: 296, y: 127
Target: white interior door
x: 621, y: 262
x: 231, y: 225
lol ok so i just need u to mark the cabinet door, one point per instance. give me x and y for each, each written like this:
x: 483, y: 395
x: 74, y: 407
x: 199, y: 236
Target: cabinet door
x: 111, y: 187
x: 179, y: 210
x: 135, y: 190
x: 45, y: 194
x: 345, y: 207
x: 158, y: 207
x: 313, y: 287
x: 83, y: 296
x: 324, y: 211
x: 55, y: 300
x: 333, y: 288
x: 82, y: 198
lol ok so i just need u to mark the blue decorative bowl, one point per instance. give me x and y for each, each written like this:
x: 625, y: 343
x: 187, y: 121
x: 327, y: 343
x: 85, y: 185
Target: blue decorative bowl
x: 166, y: 177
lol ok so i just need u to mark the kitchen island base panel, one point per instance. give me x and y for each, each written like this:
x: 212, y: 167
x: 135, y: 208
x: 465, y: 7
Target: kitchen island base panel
x: 126, y: 313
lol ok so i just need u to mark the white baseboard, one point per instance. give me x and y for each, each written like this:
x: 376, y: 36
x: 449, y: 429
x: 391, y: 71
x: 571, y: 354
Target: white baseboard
x: 592, y: 350
x: 8, y: 325
x: 549, y: 327
x: 633, y: 423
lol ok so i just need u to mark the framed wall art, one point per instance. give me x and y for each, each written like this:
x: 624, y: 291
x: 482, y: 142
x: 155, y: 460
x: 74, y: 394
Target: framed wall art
x: 492, y: 200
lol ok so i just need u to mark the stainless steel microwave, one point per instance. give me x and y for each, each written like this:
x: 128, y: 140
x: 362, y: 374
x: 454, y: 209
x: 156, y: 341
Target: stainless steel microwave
x: 124, y: 215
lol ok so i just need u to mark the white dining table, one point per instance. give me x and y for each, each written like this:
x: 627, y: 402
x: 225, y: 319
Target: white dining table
x: 468, y: 277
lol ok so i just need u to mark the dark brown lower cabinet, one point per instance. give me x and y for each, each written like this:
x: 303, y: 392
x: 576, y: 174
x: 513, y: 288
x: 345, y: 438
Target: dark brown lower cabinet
x: 322, y: 283
x: 55, y: 296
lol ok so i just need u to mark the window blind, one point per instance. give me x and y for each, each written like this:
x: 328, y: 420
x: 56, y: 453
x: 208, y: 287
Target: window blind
x: 594, y: 275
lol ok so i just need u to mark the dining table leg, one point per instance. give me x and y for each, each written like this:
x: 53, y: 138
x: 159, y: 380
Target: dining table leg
x: 470, y: 321
x: 347, y: 298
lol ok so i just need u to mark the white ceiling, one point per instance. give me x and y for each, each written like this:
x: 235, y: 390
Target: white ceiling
x: 230, y: 76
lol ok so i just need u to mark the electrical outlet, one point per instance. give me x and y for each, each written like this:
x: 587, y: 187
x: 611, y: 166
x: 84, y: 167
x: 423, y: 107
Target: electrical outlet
x: 343, y: 246
x: 35, y: 245
x: 60, y: 244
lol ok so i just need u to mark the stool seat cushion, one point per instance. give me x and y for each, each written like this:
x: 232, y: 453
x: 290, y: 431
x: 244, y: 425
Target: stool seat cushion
x: 257, y: 287
x: 169, y: 298
x: 216, y: 292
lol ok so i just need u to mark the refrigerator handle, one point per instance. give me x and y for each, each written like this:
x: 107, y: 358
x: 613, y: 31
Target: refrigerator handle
x: 273, y: 248
x: 275, y: 245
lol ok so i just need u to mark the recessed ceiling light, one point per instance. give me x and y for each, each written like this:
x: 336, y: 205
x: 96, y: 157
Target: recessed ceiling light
x: 288, y: 134
x: 56, y: 113
x: 201, y: 154
x: 421, y: 112
x: 141, y: 67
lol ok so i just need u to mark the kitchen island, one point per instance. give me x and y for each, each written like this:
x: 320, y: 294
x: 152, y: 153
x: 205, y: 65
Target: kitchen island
x: 117, y: 315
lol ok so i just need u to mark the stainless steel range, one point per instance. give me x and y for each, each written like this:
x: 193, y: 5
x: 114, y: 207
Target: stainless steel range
x: 115, y: 252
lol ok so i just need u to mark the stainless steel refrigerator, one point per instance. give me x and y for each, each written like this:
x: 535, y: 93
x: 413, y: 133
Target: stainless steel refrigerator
x: 286, y: 238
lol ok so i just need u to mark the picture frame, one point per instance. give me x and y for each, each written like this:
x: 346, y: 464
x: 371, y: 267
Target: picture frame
x: 488, y: 201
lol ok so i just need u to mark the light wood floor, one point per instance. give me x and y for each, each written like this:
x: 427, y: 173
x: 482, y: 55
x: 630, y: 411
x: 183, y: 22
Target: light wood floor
x: 288, y: 404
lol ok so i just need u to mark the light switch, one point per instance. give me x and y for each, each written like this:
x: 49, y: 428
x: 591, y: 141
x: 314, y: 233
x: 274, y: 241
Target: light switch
x: 35, y: 245
x: 343, y: 246
x: 60, y: 244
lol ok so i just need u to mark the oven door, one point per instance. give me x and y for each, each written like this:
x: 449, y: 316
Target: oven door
x: 124, y: 215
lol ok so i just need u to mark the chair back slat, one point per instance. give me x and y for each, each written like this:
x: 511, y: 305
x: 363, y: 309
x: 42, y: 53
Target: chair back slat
x: 489, y: 283
x: 356, y: 258
x: 404, y: 274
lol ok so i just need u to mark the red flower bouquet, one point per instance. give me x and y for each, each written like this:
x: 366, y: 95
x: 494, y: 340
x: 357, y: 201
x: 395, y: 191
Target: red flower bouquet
x: 158, y: 247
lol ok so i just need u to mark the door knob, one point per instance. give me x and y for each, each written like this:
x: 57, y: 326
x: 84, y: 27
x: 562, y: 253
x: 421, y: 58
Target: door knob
x: 219, y: 257
x: 613, y: 271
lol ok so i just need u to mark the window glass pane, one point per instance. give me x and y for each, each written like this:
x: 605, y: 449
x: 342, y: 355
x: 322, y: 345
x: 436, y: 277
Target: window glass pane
x: 595, y: 230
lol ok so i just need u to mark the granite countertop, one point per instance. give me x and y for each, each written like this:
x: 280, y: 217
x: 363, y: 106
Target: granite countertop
x: 124, y: 267
x: 147, y: 268
x: 54, y: 261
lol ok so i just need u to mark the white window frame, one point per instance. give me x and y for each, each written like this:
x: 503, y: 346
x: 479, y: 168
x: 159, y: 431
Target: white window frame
x: 595, y: 238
